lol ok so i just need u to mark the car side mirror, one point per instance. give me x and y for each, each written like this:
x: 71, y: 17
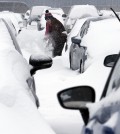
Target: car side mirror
x: 39, y: 62
x: 23, y: 16
x: 64, y: 15
x: 110, y: 60
x: 75, y: 40
x: 28, y: 14
x: 77, y: 98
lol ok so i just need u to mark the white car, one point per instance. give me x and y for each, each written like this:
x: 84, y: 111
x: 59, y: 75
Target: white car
x: 11, y: 16
x: 102, y: 117
x: 78, y: 12
x: 97, y: 46
x: 84, y: 49
x: 18, y: 99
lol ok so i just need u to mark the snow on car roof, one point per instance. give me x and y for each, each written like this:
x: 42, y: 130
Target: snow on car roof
x: 77, y: 11
x: 11, y: 16
x: 38, y: 10
x: 105, y: 34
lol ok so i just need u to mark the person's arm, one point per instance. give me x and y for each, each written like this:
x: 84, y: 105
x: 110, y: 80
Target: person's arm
x: 47, y: 29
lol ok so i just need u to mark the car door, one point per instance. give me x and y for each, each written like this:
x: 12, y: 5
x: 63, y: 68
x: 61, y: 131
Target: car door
x: 29, y: 80
x: 106, y: 117
x: 77, y: 52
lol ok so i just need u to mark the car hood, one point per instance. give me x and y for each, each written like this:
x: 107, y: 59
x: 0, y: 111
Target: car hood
x: 95, y: 75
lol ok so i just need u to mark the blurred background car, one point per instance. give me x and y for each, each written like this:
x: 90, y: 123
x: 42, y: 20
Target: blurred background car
x: 78, y: 12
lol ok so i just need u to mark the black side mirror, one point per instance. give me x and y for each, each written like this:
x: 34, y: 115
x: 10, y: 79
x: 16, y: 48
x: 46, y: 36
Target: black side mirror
x: 39, y: 62
x: 27, y: 14
x: 77, y: 98
x: 75, y: 40
x: 64, y: 15
x: 110, y: 60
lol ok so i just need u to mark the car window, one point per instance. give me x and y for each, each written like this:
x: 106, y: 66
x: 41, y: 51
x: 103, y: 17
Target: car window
x: 13, y: 37
x: 113, y: 81
x: 115, y: 78
x: 84, y: 28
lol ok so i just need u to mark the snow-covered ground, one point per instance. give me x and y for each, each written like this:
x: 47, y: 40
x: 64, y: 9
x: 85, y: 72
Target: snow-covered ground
x: 49, y: 82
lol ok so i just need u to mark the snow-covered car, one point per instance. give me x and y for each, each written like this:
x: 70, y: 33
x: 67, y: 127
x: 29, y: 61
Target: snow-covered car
x: 19, y: 18
x: 11, y: 16
x: 35, y: 13
x: 18, y: 99
x: 90, y: 41
x: 78, y: 12
x: 101, y: 117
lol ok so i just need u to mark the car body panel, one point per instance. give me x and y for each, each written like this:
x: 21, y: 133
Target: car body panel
x: 18, y: 113
x: 106, y: 113
x: 85, y: 35
x: 11, y: 16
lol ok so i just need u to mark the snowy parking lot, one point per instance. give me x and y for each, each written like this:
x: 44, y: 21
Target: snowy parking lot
x: 44, y: 91
x: 49, y: 82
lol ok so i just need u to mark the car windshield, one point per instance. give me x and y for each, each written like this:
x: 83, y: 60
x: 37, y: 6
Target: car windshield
x: 114, y: 82
x: 84, y: 28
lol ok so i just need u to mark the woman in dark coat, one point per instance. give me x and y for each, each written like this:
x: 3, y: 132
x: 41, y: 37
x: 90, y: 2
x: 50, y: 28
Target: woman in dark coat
x: 56, y: 36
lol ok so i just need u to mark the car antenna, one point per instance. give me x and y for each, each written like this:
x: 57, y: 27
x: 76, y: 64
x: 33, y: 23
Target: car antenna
x: 115, y: 14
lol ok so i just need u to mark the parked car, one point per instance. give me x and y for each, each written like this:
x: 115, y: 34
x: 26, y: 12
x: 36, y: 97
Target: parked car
x: 18, y: 99
x: 78, y: 12
x: 35, y: 13
x: 101, y: 117
x: 11, y: 16
x: 84, y: 49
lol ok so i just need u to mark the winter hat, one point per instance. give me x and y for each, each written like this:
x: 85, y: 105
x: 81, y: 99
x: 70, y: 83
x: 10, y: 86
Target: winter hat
x: 48, y: 15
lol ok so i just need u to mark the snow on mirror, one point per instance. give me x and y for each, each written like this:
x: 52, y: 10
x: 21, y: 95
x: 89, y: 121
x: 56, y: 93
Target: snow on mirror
x: 76, y: 97
x: 39, y: 62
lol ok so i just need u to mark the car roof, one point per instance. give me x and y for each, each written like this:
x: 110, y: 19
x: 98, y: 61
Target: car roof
x: 38, y: 10
x: 106, y: 36
x: 11, y: 16
x: 82, y: 9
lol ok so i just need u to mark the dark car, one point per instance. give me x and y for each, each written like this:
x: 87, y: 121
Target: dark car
x: 101, y: 117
